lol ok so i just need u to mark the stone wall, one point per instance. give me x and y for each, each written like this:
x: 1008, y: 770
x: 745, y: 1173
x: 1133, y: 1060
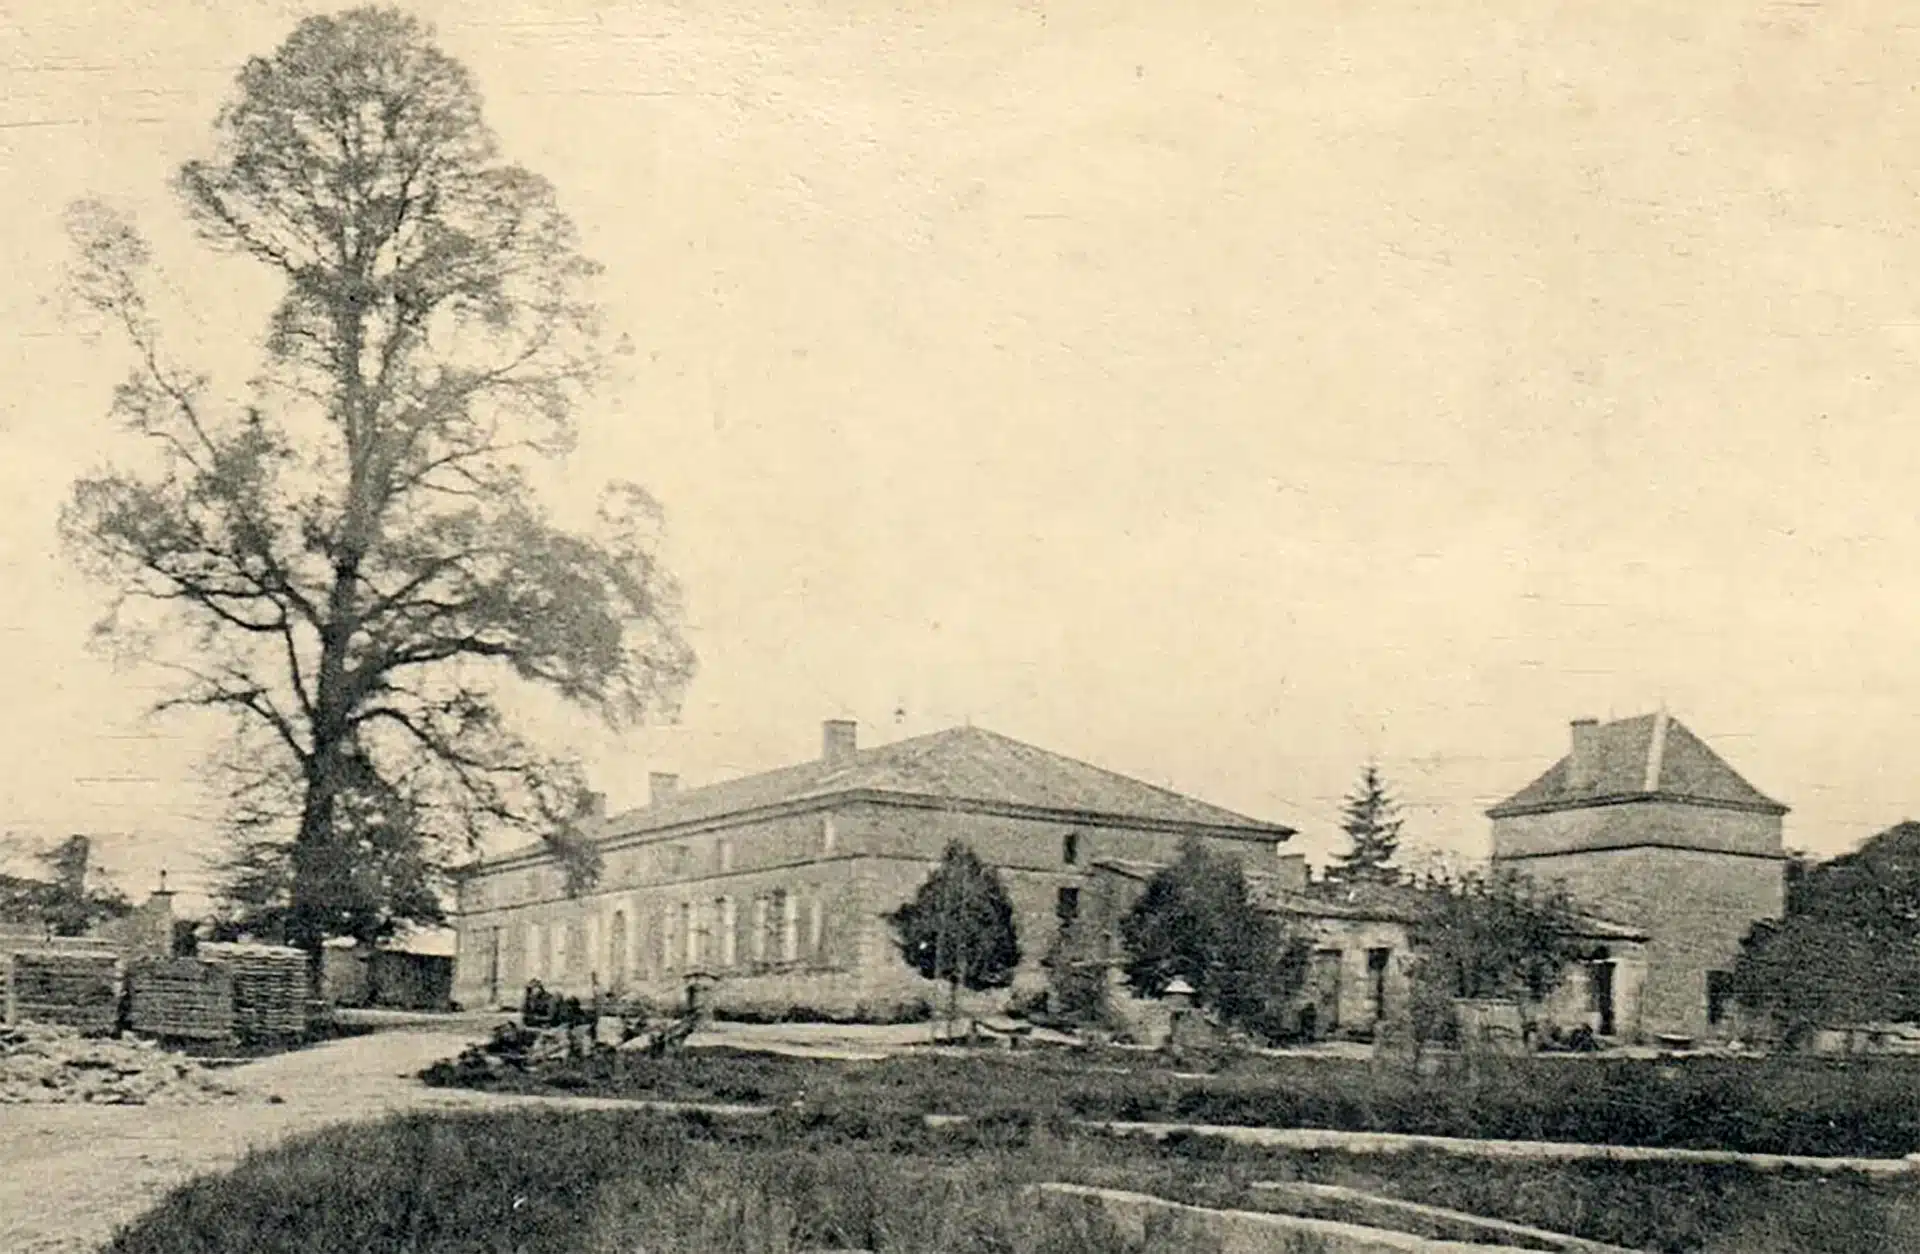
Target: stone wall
x: 1668, y: 823
x: 1570, y: 1004
x: 1695, y: 906
x: 693, y: 901
x: 1340, y: 981
x: 145, y: 932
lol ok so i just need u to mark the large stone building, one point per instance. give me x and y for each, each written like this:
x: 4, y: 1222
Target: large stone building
x: 776, y: 885
x: 1645, y: 823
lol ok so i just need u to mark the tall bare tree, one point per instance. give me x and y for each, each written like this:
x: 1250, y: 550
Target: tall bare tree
x: 346, y: 555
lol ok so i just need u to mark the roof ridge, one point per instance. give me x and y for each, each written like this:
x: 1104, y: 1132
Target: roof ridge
x: 1656, y: 749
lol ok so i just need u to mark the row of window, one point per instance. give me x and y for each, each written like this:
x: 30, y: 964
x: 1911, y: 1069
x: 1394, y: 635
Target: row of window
x: 671, y: 860
x: 776, y: 929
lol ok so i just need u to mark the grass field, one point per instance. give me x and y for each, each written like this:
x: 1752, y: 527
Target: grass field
x: 1867, y: 1108
x: 821, y: 1176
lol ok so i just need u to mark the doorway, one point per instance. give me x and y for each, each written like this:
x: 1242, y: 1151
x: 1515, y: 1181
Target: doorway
x: 1377, y: 961
x: 1600, y: 993
x: 1326, y: 992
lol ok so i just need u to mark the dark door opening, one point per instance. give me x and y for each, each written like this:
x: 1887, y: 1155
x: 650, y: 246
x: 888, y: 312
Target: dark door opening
x: 1719, y: 996
x: 1326, y: 990
x: 1377, y: 960
x: 1066, y: 905
x: 1600, y: 985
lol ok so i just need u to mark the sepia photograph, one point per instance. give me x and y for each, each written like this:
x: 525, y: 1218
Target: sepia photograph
x: 964, y: 627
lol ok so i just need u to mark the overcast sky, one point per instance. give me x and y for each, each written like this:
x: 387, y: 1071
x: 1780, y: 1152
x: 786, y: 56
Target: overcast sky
x: 1223, y: 393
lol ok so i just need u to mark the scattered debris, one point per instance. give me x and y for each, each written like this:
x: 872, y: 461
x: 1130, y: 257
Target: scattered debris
x: 46, y: 1064
x: 516, y: 1047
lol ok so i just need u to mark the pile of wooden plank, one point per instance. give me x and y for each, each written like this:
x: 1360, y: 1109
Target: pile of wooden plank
x: 181, y: 999
x: 270, y: 988
x: 74, y: 989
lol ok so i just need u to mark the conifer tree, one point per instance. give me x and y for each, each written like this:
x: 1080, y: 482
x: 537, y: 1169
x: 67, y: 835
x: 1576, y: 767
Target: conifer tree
x: 959, y: 927
x: 1371, y: 819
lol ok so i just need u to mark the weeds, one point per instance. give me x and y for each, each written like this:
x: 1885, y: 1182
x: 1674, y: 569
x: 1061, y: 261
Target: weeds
x: 824, y: 1176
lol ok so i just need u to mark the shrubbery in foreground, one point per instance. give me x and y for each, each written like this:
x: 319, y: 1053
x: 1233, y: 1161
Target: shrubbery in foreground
x: 823, y: 1176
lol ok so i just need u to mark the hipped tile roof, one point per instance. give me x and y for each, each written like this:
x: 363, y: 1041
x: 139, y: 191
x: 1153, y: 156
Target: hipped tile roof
x: 961, y: 765
x: 1653, y: 756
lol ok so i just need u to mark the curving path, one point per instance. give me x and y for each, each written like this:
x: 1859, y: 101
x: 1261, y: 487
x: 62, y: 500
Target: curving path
x: 70, y: 1175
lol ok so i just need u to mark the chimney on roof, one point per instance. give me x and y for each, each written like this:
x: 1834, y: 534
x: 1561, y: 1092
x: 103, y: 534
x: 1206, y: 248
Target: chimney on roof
x: 1583, y: 765
x: 661, y: 785
x: 838, y: 741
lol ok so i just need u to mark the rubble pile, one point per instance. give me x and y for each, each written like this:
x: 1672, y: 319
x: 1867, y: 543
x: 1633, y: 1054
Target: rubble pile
x: 52, y: 1064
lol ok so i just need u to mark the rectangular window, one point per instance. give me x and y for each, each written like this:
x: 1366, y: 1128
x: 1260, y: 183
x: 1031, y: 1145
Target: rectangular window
x: 759, y: 929
x: 816, y: 925
x: 789, y: 927
x: 1066, y: 904
x: 689, y: 935
x: 827, y: 834
x: 1070, y: 848
x: 728, y: 936
x: 1719, y: 996
x: 726, y: 855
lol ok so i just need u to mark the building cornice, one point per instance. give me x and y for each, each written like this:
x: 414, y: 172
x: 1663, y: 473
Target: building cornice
x: 1509, y: 811
x: 537, y: 856
x: 1637, y: 842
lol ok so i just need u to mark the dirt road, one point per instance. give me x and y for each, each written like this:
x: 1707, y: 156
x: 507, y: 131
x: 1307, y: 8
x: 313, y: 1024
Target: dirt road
x: 69, y: 1175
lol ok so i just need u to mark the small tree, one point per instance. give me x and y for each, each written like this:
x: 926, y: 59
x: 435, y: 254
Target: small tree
x: 959, y: 927
x: 72, y: 901
x: 1198, y: 921
x: 1489, y: 936
x: 1371, y: 819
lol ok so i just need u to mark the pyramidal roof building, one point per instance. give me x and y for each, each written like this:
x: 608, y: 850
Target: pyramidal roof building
x: 1645, y: 823
x: 1650, y: 758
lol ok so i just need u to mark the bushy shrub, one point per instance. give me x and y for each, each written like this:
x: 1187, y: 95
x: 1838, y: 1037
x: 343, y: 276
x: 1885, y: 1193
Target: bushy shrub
x: 1197, y: 921
x: 551, y: 1183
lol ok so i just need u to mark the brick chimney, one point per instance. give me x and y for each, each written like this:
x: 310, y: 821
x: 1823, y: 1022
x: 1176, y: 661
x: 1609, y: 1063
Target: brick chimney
x: 838, y: 741
x: 1583, y: 759
x: 661, y: 785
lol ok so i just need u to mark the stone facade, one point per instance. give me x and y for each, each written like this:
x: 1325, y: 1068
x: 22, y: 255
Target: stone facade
x: 1360, y: 973
x: 777, y: 887
x: 1642, y: 821
x: 1358, y: 977
x: 1695, y: 905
